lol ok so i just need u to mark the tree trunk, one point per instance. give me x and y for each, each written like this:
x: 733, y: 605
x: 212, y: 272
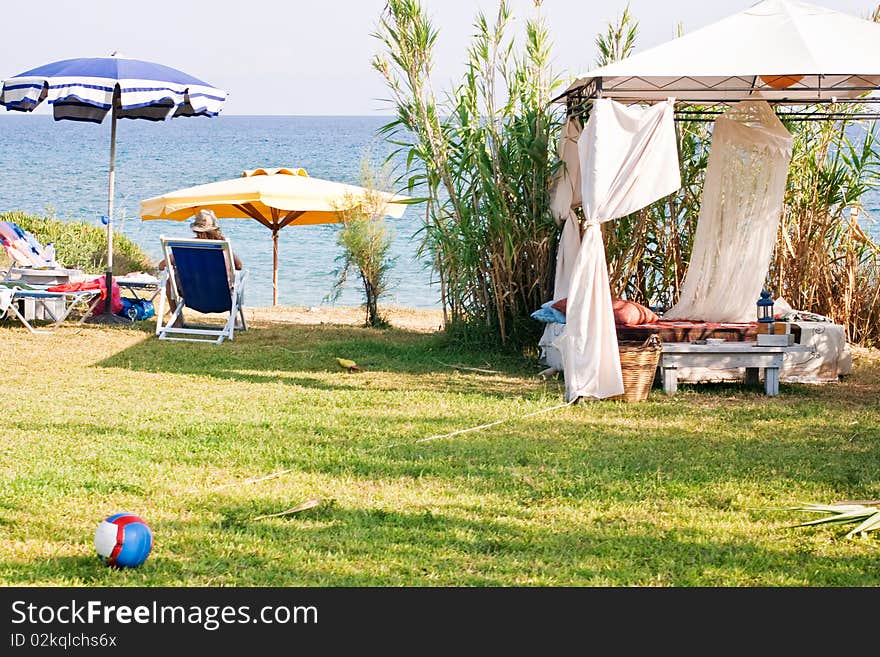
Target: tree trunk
x: 371, y: 304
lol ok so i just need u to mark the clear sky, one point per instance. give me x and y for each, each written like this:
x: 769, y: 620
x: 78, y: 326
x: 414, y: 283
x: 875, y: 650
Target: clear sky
x: 313, y: 56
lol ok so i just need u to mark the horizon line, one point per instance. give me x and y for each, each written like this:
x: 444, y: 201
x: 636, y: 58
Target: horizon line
x: 49, y: 114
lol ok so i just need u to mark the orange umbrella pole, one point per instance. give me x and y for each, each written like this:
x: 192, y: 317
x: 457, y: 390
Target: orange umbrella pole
x: 274, y: 267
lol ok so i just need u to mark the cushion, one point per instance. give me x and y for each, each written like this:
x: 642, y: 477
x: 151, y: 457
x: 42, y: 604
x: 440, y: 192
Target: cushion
x: 630, y: 313
x: 547, y: 313
x: 626, y: 313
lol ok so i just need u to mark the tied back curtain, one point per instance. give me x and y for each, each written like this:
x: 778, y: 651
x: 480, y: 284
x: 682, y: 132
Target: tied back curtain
x: 566, y: 197
x: 628, y: 159
x: 739, y: 216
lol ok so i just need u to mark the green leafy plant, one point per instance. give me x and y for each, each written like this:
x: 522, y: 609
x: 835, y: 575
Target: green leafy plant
x: 80, y: 245
x: 867, y: 514
x: 824, y: 261
x: 484, y: 159
x: 366, y: 242
x: 618, y: 39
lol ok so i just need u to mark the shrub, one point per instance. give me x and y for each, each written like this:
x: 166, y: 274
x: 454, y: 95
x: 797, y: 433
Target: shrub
x: 366, y: 241
x: 80, y: 245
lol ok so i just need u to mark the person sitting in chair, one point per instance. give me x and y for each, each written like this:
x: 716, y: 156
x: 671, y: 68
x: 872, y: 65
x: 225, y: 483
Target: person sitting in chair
x: 205, y: 227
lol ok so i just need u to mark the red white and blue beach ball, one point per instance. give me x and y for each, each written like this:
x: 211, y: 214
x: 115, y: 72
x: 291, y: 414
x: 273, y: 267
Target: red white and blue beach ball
x: 123, y: 541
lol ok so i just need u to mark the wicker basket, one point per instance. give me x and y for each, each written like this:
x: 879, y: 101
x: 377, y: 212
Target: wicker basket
x: 638, y: 362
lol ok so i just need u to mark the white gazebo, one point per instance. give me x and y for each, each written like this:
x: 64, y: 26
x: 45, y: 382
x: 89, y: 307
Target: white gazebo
x: 778, y: 50
x: 620, y: 151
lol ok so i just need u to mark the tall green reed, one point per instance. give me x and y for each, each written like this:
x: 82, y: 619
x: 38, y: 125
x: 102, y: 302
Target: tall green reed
x: 824, y: 261
x: 483, y: 159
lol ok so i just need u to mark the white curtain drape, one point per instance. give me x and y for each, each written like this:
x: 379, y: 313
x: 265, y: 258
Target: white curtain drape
x: 565, y: 197
x: 739, y: 216
x: 628, y: 159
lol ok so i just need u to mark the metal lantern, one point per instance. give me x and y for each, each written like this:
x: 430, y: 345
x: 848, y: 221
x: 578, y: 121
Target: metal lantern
x: 765, y: 308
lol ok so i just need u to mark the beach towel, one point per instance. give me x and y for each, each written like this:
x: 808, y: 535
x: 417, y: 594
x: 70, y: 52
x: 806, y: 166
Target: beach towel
x: 24, y: 249
x: 97, y: 283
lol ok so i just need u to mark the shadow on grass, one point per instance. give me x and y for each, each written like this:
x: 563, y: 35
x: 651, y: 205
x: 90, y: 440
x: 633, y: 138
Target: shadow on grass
x: 336, y: 546
x: 615, y: 462
x: 265, y: 354
x: 587, y: 450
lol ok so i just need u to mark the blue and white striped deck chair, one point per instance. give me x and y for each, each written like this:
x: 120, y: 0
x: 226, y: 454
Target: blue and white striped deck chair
x: 203, y: 279
x: 84, y: 300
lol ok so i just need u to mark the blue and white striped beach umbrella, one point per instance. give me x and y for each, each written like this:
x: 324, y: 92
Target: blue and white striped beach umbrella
x: 89, y: 88
x: 84, y: 89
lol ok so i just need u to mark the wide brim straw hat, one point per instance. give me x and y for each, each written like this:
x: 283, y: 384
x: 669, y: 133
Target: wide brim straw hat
x: 204, y: 221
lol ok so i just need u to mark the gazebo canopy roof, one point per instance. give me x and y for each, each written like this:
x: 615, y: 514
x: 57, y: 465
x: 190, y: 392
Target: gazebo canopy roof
x: 777, y: 50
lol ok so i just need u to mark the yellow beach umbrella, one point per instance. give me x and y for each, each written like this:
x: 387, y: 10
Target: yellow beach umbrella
x: 277, y: 198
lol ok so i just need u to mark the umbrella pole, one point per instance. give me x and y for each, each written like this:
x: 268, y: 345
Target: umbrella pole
x: 108, y: 302
x: 107, y: 317
x: 275, y: 267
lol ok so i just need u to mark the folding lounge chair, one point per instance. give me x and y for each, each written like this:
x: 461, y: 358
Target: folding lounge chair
x: 23, y: 248
x: 203, y: 279
x: 10, y: 294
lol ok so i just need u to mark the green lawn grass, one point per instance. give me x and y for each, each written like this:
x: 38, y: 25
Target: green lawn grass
x: 680, y: 491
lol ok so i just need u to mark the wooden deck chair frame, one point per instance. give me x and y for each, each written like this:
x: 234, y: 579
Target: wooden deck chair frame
x: 165, y: 330
x: 85, y: 300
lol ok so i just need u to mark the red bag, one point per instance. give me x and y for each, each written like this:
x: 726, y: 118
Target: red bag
x: 98, y: 283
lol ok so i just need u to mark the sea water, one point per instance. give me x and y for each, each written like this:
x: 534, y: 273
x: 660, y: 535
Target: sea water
x: 61, y: 168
